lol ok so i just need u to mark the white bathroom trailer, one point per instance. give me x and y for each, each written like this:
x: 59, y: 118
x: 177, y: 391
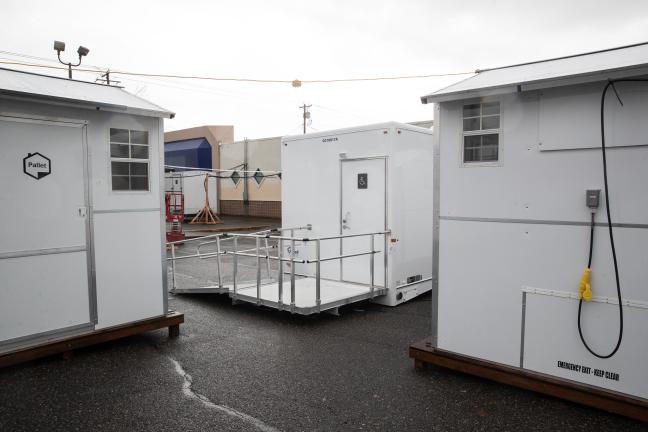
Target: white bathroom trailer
x: 521, y: 171
x: 81, y: 227
x: 356, y: 206
x: 364, y: 179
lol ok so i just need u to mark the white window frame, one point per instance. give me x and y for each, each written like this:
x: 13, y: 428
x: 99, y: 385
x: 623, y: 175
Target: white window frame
x: 146, y: 161
x: 481, y: 132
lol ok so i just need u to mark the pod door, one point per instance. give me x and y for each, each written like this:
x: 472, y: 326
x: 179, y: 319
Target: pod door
x: 363, y: 210
x: 46, y: 285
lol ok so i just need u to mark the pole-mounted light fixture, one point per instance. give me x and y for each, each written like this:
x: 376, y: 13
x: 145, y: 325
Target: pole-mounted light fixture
x: 60, y: 46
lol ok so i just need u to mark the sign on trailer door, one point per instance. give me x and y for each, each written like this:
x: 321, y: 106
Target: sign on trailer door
x: 43, y: 252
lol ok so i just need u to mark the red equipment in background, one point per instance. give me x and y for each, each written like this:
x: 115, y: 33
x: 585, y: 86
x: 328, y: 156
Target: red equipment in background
x: 174, y: 216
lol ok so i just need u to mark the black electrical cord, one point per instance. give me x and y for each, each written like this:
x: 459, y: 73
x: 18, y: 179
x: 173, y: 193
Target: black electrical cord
x: 609, y: 84
x: 580, y: 303
x: 589, y: 260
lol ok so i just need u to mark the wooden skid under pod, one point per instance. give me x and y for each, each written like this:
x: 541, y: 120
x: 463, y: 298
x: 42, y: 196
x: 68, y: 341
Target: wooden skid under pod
x: 425, y: 354
x: 66, y: 345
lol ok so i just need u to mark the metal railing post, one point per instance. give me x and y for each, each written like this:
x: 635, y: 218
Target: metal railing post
x: 235, y: 271
x: 280, y: 275
x: 173, y: 267
x: 371, y: 265
x: 318, y: 300
x: 267, y: 249
x: 386, y: 259
x: 218, y: 263
x: 292, y: 274
x: 258, y: 273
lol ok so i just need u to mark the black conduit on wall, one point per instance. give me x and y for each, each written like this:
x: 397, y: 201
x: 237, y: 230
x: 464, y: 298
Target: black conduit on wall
x: 609, y: 84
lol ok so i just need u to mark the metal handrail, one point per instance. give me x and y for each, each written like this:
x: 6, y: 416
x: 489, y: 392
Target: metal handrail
x: 224, y: 236
x: 333, y: 258
x: 217, y: 239
x: 343, y: 236
x: 309, y: 239
x: 317, y: 261
x: 262, y: 252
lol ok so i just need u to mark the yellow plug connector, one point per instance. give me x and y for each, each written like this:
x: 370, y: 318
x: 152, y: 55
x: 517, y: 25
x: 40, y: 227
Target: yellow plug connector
x: 584, y: 288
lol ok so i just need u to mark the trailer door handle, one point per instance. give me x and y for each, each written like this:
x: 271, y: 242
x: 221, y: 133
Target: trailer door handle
x: 345, y: 221
x: 83, y: 212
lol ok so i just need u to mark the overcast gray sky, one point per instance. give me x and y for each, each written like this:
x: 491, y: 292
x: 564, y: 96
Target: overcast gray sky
x: 309, y: 40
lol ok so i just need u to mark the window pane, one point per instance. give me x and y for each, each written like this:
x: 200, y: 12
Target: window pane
x: 119, y: 183
x: 490, y: 148
x: 472, y: 154
x: 490, y: 108
x: 472, y: 146
x: 119, y: 168
x: 490, y: 140
x: 491, y: 122
x: 472, y: 141
x: 481, y: 148
x: 139, y: 152
x: 138, y: 168
x: 139, y: 137
x: 118, y: 150
x: 471, y: 124
x: 119, y: 135
x: 489, y: 154
x: 139, y: 183
x: 471, y: 110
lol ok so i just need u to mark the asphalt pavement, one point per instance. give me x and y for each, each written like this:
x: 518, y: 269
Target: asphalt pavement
x: 241, y: 367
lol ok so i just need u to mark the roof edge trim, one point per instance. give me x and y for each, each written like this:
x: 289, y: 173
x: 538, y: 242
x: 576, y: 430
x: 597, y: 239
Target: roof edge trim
x: 561, y: 81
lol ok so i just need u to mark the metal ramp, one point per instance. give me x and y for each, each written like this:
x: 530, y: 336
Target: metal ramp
x: 217, y: 267
x: 333, y: 295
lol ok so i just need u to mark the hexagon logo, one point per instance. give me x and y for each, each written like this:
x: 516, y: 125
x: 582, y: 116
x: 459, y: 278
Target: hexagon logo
x: 36, y: 165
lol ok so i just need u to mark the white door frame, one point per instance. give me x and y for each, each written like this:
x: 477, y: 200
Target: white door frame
x: 341, y: 204
x: 89, y: 243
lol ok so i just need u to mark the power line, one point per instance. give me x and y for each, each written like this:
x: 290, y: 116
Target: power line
x: 305, y: 115
x: 49, y: 60
x: 248, y: 80
x: 215, y: 170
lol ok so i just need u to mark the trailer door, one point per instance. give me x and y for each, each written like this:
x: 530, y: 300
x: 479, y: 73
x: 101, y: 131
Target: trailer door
x: 46, y: 284
x: 363, y: 210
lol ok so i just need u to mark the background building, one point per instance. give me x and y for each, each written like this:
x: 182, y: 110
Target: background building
x: 253, y: 189
x: 196, y: 147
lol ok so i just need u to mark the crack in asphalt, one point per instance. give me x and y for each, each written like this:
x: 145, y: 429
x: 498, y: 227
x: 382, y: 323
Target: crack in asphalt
x: 191, y: 394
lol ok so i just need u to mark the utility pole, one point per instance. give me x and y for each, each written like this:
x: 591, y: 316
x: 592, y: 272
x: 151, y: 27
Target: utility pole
x: 306, y: 114
x: 105, y: 78
x: 246, y: 175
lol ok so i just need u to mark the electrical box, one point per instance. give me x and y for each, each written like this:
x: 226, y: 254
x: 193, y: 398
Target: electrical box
x: 592, y: 198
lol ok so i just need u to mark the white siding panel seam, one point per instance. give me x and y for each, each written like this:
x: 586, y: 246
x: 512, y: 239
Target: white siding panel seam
x: 541, y: 222
x: 49, y: 251
x: 572, y: 295
x: 144, y: 210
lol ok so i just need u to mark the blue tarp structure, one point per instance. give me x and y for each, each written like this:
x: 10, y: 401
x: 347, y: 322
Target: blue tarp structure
x: 195, y: 153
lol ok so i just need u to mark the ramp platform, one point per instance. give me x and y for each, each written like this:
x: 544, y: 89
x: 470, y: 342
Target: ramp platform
x: 299, y: 293
x: 333, y: 294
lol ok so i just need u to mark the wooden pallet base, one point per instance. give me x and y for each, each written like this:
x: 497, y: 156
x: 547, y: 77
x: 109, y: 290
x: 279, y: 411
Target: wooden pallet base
x: 425, y: 354
x: 172, y: 320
